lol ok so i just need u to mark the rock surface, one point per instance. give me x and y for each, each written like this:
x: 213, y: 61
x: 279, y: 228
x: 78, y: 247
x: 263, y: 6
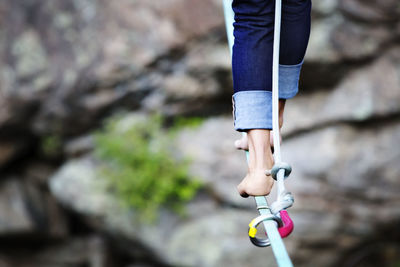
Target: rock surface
x: 367, y: 93
x: 67, y: 65
x: 365, y: 173
x: 211, y: 236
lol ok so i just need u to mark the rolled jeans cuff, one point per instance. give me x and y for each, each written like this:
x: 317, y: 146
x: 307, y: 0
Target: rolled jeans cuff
x: 289, y: 80
x: 252, y: 110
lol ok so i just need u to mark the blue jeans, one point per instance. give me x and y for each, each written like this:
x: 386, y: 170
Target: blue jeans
x: 252, y: 57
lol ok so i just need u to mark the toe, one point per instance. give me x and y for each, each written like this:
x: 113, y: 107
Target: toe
x: 238, y: 144
x: 242, y: 143
x: 244, y: 195
x: 242, y: 191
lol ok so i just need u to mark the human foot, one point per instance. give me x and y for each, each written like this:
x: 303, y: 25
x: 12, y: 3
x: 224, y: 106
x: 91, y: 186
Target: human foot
x: 257, y: 182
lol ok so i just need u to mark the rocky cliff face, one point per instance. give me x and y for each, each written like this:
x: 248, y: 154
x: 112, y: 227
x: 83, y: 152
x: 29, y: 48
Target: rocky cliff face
x: 66, y: 65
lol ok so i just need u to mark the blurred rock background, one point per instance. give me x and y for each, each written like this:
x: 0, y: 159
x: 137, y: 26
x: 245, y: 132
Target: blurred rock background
x: 67, y: 65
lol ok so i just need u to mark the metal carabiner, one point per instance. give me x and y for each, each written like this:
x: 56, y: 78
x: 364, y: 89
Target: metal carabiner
x: 253, y: 229
x: 285, y: 227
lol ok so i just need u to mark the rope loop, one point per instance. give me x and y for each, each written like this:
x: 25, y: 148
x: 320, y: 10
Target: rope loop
x: 284, y: 201
x: 279, y: 166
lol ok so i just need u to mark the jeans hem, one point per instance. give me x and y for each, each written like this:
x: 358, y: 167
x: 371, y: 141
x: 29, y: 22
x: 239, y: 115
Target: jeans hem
x: 289, y: 76
x: 252, y: 110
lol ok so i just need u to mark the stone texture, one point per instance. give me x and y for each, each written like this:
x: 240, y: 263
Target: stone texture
x: 79, y: 146
x: 66, y: 65
x: 7, y: 151
x: 369, y: 92
x: 79, y: 186
x: 78, y: 251
x: 15, y: 217
x: 320, y: 47
x: 211, y: 144
x: 26, y: 210
x: 337, y: 181
x: 61, y: 50
x: 340, y: 174
x: 219, y: 239
x: 184, y: 242
x: 334, y: 39
x: 324, y: 7
x: 371, y: 11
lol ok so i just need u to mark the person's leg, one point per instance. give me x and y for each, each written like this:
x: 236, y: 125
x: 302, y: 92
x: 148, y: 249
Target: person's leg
x: 243, y: 143
x: 252, y: 75
x: 295, y: 31
x: 252, y: 83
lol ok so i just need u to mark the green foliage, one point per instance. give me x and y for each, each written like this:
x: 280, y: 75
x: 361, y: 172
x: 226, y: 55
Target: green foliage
x: 184, y: 122
x: 140, y: 168
x: 191, y: 122
x: 51, y: 145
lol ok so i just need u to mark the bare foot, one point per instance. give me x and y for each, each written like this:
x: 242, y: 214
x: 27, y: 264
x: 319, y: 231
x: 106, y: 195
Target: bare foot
x: 243, y: 143
x: 257, y: 182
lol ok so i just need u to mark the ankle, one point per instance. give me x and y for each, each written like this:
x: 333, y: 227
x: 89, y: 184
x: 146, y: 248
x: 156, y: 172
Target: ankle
x: 262, y: 163
x: 282, y: 103
x: 260, y: 149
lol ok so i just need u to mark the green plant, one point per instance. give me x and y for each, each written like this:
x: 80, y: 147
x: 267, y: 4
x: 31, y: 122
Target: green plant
x: 51, y: 145
x: 182, y: 122
x: 139, y: 167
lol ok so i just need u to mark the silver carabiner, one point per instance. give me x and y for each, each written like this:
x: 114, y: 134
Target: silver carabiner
x: 253, y: 229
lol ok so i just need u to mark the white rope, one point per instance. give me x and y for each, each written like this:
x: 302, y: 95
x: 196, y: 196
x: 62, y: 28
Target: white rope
x: 285, y: 199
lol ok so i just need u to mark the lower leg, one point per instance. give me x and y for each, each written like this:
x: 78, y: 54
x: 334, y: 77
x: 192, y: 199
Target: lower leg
x: 243, y: 142
x: 252, y: 83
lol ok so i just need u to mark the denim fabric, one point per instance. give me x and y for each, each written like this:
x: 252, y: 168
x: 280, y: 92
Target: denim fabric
x: 252, y: 57
x: 253, y: 109
x: 289, y: 80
